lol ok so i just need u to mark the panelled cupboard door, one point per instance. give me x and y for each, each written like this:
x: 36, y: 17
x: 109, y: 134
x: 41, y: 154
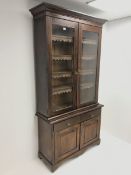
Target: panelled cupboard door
x: 66, y: 142
x: 63, y: 41
x: 89, y: 131
x: 88, y: 64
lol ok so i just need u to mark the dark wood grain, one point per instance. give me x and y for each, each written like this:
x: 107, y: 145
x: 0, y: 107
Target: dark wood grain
x: 41, y: 65
x: 71, y: 114
x: 67, y: 123
x: 66, y: 142
x: 73, y: 19
x: 89, y: 131
x: 61, y: 140
x: 45, y: 139
x: 66, y: 133
x: 57, y: 9
x: 74, y: 155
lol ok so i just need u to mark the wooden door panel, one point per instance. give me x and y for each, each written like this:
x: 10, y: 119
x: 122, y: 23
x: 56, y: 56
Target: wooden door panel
x: 66, y: 142
x: 89, y: 131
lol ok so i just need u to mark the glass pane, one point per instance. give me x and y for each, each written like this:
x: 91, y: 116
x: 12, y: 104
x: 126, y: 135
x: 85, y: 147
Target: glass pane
x: 88, y: 67
x: 62, y: 66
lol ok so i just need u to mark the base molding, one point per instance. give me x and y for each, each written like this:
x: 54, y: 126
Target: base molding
x: 53, y: 167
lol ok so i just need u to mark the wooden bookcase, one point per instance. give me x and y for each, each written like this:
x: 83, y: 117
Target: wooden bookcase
x: 67, y: 58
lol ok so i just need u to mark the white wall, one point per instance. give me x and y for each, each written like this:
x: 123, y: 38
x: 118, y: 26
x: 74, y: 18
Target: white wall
x: 18, y: 126
x: 115, y: 81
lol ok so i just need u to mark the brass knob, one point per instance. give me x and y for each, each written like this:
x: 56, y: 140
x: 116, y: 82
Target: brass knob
x: 68, y: 124
x: 76, y: 73
x: 92, y: 115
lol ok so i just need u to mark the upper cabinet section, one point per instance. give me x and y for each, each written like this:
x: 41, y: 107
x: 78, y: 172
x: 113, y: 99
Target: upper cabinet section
x: 73, y: 50
x: 67, y: 56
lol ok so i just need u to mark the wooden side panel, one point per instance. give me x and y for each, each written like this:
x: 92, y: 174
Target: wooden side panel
x: 66, y: 142
x: 90, y: 130
x: 41, y: 65
x: 45, y: 139
x: 98, y: 62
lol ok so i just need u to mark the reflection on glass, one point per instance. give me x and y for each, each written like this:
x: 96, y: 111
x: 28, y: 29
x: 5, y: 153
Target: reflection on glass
x: 62, y: 56
x: 88, y: 67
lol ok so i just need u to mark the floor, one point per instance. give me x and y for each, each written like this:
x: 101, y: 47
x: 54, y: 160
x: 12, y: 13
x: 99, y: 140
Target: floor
x: 111, y: 157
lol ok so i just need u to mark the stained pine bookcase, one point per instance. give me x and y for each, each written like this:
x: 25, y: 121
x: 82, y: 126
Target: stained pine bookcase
x: 67, y: 58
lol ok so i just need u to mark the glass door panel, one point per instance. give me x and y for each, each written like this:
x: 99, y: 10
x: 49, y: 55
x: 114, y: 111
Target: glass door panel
x: 62, y: 67
x: 88, y: 65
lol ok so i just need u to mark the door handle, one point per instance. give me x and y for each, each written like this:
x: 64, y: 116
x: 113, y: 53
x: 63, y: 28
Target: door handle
x: 76, y: 73
x: 68, y: 124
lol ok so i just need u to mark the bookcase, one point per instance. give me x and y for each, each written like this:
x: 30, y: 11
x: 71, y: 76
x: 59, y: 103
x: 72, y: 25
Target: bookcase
x: 67, y: 58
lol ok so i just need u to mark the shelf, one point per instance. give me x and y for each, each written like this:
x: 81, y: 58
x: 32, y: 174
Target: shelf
x: 87, y: 72
x: 89, y: 57
x: 86, y: 85
x: 90, y: 42
x: 61, y: 38
x: 57, y: 75
x: 62, y: 90
x: 62, y: 107
x: 84, y: 101
x: 62, y: 57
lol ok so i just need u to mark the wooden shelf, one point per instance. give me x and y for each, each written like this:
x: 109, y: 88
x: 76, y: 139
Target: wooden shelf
x: 62, y: 57
x: 62, y: 90
x: 67, y: 107
x: 89, y: 57
x: 90, y: 42
x: 61, y: 38
x: 87, y: 72
x: 57, y: 75
x: 84, y: 101
x: 61, y: 107
x: 86, y: 85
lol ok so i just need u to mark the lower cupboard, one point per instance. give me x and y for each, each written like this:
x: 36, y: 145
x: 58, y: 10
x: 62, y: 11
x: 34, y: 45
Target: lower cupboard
x: 68, y: 138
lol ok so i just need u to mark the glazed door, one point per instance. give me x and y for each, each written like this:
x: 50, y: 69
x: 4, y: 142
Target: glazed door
x: 88, y: 64
x: 63, y: 56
